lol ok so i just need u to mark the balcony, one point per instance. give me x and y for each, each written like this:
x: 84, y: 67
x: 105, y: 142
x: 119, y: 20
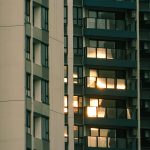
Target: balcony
x: 110, y: 87
x: 109, y: 28
x: 122, y: 117
x: 107, y: 57
x: 111, y: 143
x: 123, y: 4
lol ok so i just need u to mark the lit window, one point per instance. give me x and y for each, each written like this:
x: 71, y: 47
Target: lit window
x: 66, y: 133
x: 94, y: 132
x: 101, y: 112
x: 91, y: 52
x: 101, y: 53
x: 91, y: 141
x: 121, y: 84
x: 110, y: 83
x: 91, y: 81
x: 94, y: 102
x: 65, y: 104
x: 91, y: 111
x: 75, y: 101
x: 101, y: 82
x: 65, y: 74
x: 93, y: 73
x: 102, y: 142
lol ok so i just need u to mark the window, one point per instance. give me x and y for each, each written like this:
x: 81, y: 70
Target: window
x: 65, y: 104
x: 45, y: 128
x: 44, y: 18
x: 65, y: 14
x: 77, y: 74
x: 65, y: 44
x: 66, y: 133
x: 65, y: 74
x: 45, y: 91
x: 28, y: 47
x: 77, y: 16
x: 78, y: 134
x: 44, y: 55
x: 28, y: 122
x: 28, y: 85
x: 78, y: 45
x: 77, y: 104
x: 27, y: 11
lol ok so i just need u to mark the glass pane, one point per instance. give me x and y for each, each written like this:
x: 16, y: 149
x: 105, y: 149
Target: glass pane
x: 101, y: 53
x: 101, y: 112
x: 94, y: 102
x: 129, y: 113
x: 92, y: 14
x: 102, y: 142
x: 93, y: 43
x: 111, y: 142
x: 110, y: 83
x: 94, y: 132
x: 91, y: 22
x: 121, y: 143
x: 65, y: 101
x: 91, y: 111
x: 104, y: 132
x: 91, y: 81
x: 120, y: 25
x: 121, y: 113
x: 111, y: 24
x: 121, y: 84
x: 101, y: 82
x: 93, y: 73
x: 91, y: 141
x: 101, y: 24
x: 91, y: 52
x: 110, y: 53
x: 111, y: 112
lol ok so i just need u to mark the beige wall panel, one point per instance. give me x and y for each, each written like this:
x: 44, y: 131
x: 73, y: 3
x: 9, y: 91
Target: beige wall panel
x: 12, y: 76
x: 11, y: 12
x: 12, y: 125
x: 56, y: 19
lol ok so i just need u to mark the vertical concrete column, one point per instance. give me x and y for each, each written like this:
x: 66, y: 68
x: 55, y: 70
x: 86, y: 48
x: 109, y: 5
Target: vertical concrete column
x: 70, y: 76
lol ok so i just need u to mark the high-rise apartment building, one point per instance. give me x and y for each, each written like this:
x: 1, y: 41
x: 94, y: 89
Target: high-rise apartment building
x: 106, y: 65
x: 31, y: 75
x: 74, y: 75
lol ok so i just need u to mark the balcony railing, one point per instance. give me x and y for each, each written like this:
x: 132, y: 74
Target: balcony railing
x: 110, y: 113
x: 110, y: 24
x: 111, y: 142
x: 110, y: 83
x: 110, y: 53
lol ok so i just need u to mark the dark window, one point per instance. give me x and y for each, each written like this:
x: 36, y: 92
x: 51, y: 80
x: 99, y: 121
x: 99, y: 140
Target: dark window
x: 77, y: 16
x: 27, y: 10
x: 45, y: 91
x: 78, y: 134
x: 78, y: 45
x: 28, y: 47
x: 65, y: 44
x: 65, y: 74
x: 65, y: 14
x: 45, y: 128
x: 28, y: 122
x: 44, y: 55
x: 28, y: 85
x: 44, y: 18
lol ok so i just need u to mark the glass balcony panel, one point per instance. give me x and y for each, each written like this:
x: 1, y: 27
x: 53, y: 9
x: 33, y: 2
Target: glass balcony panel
x: 101, y: 82
x: 91, y: 23
x: 91, y: 111
x: 110, y: 53
x: 111, y: 113
x: 121, y: 84
x: 111, y: 24
x: 110, y: 83
x: 93, y: 73
x: 121, y: 113
x: 94, y: 102
x: 129, y: 113
x: 91, y: 52
x: 121, y: 143
x: 104, y: 132
x: 101, y: 24
x: 91, y: 81
x: 120, y: 25
x: 102, y: 142
x: 101, y: 52
x: 94, y: 132
x: 101, y: 112
x: 92, y: 141
x: 111, y: 142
